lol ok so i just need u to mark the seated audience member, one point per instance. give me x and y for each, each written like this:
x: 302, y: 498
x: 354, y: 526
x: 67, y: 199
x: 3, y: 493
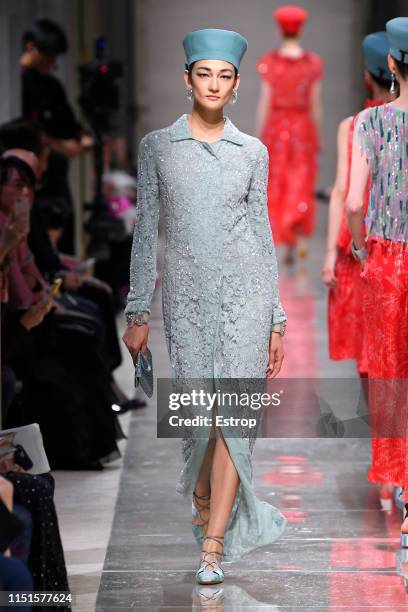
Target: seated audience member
x: 46, y: 561
x: 66, y: 386
x: 14, y: 231
x: 45, y: 227
x: 42, y: 567
x: 14, y: 574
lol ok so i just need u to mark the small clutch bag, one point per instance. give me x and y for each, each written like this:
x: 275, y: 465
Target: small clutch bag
x: 144, y: 372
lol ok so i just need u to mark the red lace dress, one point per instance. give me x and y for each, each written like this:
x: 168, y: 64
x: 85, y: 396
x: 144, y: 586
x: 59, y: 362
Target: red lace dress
x: 292, y: 143
x: 347, y: 339
x: 383, y: 137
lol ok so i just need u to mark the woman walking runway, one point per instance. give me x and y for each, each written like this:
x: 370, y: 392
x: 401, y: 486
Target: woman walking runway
x: 222, y: 313
x: 341, y: 272
x: 288, y: 123
x: 380, y: 149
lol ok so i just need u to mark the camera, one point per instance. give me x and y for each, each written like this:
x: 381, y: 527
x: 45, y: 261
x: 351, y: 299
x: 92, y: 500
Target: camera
x: 99, y: 98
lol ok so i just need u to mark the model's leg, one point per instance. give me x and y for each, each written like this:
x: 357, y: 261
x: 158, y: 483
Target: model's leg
x: 289, y: 258
x: 302, y: 245
x: 202, y: 490
x: 224, y: 486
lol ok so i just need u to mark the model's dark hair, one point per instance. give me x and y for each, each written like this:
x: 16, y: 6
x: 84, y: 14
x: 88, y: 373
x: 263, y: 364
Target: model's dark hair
x: 288, y: 36
x: 402, y: 68
x: 47, y: 36
x: 21, y: 134
x: 383, y: 83
x: 190, y: 69
x: 8, y: 164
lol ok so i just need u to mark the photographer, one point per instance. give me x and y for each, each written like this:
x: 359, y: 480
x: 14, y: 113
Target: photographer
x: 45, y: 101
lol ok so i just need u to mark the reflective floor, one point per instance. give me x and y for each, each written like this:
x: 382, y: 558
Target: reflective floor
x: 340, y: 550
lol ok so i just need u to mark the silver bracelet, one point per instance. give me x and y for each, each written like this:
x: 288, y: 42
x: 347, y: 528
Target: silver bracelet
x: 280, y: 328
x: 136, y: 318
x: 359, y: 254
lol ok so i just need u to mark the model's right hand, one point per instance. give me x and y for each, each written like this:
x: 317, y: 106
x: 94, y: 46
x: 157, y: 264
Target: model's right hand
x: 328, y: 276
x: 135, y: 338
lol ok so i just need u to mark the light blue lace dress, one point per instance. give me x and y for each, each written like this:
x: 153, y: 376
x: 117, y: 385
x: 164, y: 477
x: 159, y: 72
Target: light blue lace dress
x: 220, y: 285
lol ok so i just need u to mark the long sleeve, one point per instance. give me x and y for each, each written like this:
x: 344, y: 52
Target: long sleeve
x: 258, y: 213
x: 144, y: 247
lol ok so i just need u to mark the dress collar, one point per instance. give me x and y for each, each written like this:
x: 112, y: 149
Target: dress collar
x: 181, y: 130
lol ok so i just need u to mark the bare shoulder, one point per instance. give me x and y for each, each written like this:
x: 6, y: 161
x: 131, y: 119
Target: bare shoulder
x: 344, y: 127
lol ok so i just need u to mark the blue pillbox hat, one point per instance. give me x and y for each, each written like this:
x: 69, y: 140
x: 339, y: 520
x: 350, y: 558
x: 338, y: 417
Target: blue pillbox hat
x: 214, y: 44
x: 376, y: 48
x: 397, y: 30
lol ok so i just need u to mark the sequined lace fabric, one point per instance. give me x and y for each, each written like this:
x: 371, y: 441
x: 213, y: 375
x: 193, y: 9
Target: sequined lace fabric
x: 219, y: 285
x: 290, y: 136
x: 383, y: 134
x: 220, y: 274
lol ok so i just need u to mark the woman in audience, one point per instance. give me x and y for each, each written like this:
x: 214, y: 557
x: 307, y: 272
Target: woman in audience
x: 14, y: 574
x: 66, y: 385
x: 46, y: 225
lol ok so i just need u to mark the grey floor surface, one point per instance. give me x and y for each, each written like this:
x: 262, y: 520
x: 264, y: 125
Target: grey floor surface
x: 340, y: 549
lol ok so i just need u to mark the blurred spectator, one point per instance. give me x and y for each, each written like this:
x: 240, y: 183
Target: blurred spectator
x: 46, y: 562
x: 119, y: 188
x: 56, y: 358
x: 44, y: 100
x: 27, y: 500
x: 46, y: 226
x: 14, y: 574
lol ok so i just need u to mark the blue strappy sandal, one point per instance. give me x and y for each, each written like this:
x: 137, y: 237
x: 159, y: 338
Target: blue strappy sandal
x: 210, y: 571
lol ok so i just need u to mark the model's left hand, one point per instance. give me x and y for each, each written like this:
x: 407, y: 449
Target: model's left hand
x: 275, y: 355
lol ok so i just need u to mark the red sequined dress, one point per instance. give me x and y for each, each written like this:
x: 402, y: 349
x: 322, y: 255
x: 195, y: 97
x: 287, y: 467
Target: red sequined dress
x: 290, y: 136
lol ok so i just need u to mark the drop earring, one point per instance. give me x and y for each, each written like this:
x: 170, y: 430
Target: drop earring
x: 234, y: 97
x: 189, y: 93
x: 393, y: 87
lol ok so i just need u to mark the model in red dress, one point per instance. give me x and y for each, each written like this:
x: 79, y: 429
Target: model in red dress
x: 380, y: 147
x: 341, y: 271
x: 288, y: 124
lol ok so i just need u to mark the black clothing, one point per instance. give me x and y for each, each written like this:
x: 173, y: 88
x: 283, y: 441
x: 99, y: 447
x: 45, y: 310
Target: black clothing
x: 44, y: 101
x: 49, y: 263
x: 10, y: 526
x: 46, y: 557
x: 46, y: 258
x: 66, y: 390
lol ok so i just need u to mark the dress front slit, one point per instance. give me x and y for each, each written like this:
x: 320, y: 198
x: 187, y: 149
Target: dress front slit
x: 220, y: 289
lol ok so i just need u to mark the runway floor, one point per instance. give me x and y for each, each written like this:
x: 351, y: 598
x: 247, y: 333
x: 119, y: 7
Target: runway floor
x: 340, y: 550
